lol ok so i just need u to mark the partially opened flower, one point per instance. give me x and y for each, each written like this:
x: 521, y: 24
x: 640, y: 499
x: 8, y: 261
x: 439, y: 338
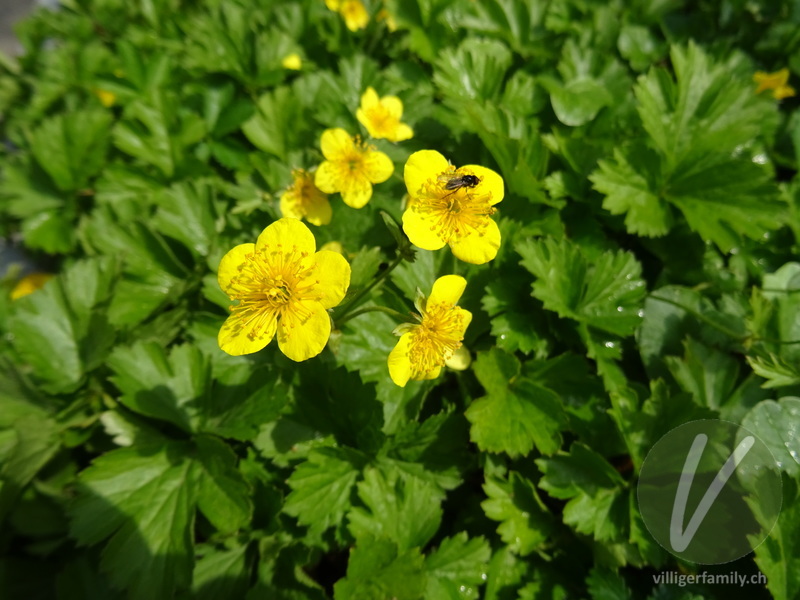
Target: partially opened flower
x: 381, y: 117
x: 452, y: 206
x: 353, y: 12
x: 778, y: 82
x: 351, y: 167
x: 424, y: 348
x: 304, y: 200
x: 280, y: 285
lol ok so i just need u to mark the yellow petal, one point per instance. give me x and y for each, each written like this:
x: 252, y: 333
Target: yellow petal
x: 369, y: 99
x: 29, y: 284
x: 328, y: 177
x: 460, y: 360
x: 377, y: 166
x: 332, y: 273
x: 421, y: 231
x: 332, y: 4
x: 466, y: 319
x: 393, y: 105
x: 432, y: 374
x: 403, y: 132
x: 491, y: 183
x: 477, y: 249
x: 783, y: 91
x: 303, y: 331
x: 231, y: 265
x: 336, y: 144
x: 287, y: 233
x: 355, y: 14
x: 422, y: 166
x: 357, y: 191
x: 399, y: 363
x: 290, y: 208
x: 319, y: 211
x: 243, y: 334
x: 447, y: 290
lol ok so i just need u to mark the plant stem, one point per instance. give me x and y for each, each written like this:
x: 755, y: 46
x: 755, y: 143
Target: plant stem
x: 367, y: 309
x: 341, y: 313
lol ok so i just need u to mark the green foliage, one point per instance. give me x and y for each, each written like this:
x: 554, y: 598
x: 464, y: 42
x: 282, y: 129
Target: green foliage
x: 646, y: 277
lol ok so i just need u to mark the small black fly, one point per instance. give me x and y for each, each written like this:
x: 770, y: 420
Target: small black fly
x: 464, y: 181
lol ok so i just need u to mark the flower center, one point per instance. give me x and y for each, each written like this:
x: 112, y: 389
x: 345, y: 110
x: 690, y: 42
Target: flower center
x: 455, y: 213
x: 437, y: 337
x: 272, y: 281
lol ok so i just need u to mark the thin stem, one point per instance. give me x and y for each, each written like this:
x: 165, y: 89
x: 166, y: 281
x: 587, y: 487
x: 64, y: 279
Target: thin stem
x: 367, y: 309
x: 360, y: 295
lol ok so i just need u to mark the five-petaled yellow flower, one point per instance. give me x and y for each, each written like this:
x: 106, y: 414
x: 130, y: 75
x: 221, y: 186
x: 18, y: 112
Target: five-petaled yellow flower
x: 777, y: 82
x: 303, y: 200
x: 423, y: 349
x: 281, y: 285
x: 353, y: 11
x: 452, y: 206
x: 381, y: 117
x: 351, y: 167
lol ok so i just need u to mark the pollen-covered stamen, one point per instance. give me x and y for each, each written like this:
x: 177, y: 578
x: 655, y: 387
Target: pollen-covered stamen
x: 274, y: 281
x: 455, y: 213
x: 437, y: 337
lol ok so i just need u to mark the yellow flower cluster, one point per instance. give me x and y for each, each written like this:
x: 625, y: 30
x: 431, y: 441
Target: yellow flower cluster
x: 283, y: 287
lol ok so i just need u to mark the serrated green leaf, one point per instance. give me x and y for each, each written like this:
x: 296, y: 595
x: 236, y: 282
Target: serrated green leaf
x: 777, y: 425
x: 223, y: 495
x: 399, y: 506
x: 321, y: 487
x: 525, y: 523
x: 457, y: 567
x: 517, y: 413
x: 377, y: 570
x: 606, y: 293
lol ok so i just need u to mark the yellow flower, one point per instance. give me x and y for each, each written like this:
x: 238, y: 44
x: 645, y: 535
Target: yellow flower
x: 452, y: 206
x: 423, y: 349
x: 303, y: 199
x: 353, y: 11
x: 292, y: 62
x: 281, y: 286
x: 381, y: 117
x: 107, y: 98
x: 460, y: 361
x: 385, y: 15
x: 29, y: 284
x: 777, y: 82
x: 351, y: 167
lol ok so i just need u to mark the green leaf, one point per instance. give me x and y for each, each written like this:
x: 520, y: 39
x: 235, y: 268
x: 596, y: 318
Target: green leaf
x: 517, y: 413
x: 776, y: 371
x: 72, y: 147
x: 220, y: 573
x: 223, y: 495
x: 607, y: 585
x: 269, y: 128
x: 525, y: 523
x: 377, y: 570
x: 321, y: 487
x: 777, y: 424
x: 187, y: 212
x: 158, y: 385
x: 598, y: 504
x: 778, y: 556
x: 606, y: 293
x: 457, y: 567
x: 399, y: 506
x: 703, y: 127
x: 142, y: 500
x: 62, y: 331
x: 706, y: 373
